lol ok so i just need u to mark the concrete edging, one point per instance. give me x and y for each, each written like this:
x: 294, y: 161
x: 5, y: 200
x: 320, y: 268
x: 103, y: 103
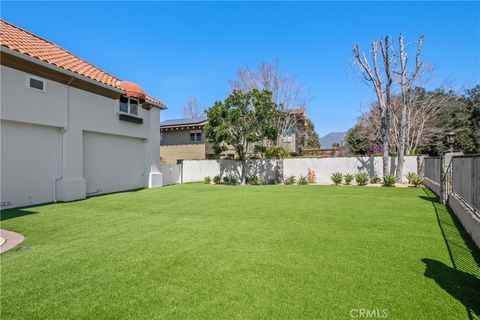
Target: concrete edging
x: 12, y: 239
x: 467, y: 217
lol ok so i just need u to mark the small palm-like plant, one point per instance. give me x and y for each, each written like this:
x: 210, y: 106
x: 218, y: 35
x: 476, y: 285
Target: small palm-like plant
x: 416, y: 181
x: 208, y: 180
x: 337, y: 178
x: 361, y: 178
x: 217, y: 179
x: 254, y: 180
x: 410, y: 176
x: 290, y: 180
x: 302, y: 180
x: 348, y: 178
x: 375, y: 179
x: 389, y: 181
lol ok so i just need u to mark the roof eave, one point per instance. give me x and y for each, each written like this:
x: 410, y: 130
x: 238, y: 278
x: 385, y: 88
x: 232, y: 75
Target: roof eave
x: 70, y: 73
x: 58, y: 69
x: 158, y: 105
x: 183, y: 125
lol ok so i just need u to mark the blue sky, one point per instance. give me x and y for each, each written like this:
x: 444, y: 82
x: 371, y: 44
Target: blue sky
x: 179, y: 49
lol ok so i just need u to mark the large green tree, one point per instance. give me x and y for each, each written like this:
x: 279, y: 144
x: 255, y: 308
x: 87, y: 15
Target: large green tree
x: 311, y: 138
x: 243, y: 121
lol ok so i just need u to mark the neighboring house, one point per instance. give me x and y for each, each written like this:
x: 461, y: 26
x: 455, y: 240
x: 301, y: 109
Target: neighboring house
x: 68, y: 128
x: 184, y: 139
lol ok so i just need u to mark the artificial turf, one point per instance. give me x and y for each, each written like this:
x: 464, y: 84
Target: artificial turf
x: 198, y: 251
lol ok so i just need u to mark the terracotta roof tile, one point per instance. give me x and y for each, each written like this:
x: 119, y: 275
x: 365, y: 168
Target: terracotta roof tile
x: 15, y: 38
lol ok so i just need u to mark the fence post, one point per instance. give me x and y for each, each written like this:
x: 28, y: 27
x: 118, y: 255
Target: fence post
x: 446, y: 175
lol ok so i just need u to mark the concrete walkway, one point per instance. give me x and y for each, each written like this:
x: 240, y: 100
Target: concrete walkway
x: 9, y: 240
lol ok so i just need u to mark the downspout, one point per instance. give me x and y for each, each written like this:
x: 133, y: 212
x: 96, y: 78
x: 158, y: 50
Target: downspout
x: 62, y: 133
x: 142, y: 175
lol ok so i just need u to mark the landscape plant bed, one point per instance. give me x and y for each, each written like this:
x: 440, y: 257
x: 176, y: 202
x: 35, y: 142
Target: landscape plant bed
x: 236, y: 252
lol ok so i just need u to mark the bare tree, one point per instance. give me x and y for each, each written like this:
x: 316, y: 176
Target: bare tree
x: 192, y: 108
x: 287, y: 92
x: 406, y: 84
x: 421, y: 129
x: 380, y: 78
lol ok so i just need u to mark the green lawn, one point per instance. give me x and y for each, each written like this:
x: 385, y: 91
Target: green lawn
x: 224, y: 252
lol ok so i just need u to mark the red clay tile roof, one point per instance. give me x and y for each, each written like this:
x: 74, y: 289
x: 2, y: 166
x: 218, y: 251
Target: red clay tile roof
x: 15, y: 38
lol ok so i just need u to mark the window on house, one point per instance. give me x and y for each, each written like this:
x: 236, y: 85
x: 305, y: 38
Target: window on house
x: 129, y: 105
x: 161, y: 137
x: 195, y: 136
x: 36, y: 83
x: 124, y: 104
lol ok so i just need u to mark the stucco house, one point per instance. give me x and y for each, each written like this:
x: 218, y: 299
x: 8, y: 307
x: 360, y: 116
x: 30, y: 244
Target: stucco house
x: 68, y: 128
x: 184, y: 139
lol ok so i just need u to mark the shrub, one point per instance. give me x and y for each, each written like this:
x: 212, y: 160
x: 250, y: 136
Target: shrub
x: 276, y: 153
x: 375, y: 179
x: 290, y: 180
x: 361, y: 178
x: 337, y: 178
x: 348, y: 178
x: 311, y: 177
x: 410, y: 176
x: 389, y: 181
x: 272, y: 181
x: 302, y: 180
x: 416, y: 180
x: 230, y: 179
x: 217, y: 179
x: 254, y: 180
x: 207, y: 180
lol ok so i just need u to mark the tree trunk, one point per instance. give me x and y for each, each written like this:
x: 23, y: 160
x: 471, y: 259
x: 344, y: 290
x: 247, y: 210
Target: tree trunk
x: 385, y: 139
x: 403, y: 118
x: 243, y: 175
x: 406, y: 86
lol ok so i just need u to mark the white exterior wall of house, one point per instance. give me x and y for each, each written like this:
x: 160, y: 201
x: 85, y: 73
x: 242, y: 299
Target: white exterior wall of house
x: 65, y: 143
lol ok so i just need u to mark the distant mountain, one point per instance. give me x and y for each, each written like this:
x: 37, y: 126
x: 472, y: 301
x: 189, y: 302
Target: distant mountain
x: 331, y: 138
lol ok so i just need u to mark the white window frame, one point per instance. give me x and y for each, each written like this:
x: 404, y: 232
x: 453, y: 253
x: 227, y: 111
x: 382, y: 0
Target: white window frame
x: 27, y: 83
x: 128, y: 107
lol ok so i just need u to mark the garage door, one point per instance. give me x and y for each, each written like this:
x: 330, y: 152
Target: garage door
x: 112, y: 163
x: 29, y: 163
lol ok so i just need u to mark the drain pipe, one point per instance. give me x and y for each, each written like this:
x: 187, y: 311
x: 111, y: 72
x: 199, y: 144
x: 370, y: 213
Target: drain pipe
x: 142, y: 175
x: 61, y: 135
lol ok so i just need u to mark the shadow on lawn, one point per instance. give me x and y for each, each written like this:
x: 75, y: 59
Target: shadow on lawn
x: 463, y: 286
x: 463, y: 280
x: 15, y: 213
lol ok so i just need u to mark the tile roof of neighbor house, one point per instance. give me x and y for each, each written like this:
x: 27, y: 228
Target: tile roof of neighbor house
x: 183, y: 122
x: 17, y: 39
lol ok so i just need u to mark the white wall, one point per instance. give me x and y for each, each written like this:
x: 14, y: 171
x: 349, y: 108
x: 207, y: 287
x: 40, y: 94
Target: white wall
x: 112, y: 163
x: 29, y: 163
x: 70, y: 112
x: 197, y: 170
x: 171, y: 174
x: 324, y: 167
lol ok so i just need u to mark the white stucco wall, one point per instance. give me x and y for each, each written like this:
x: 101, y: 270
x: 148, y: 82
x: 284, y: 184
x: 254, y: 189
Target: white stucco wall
x: 29, y: 162
x: 171, y: 174
x: 197, y: 170
x: 324, y: 167
x: 70, y: 112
